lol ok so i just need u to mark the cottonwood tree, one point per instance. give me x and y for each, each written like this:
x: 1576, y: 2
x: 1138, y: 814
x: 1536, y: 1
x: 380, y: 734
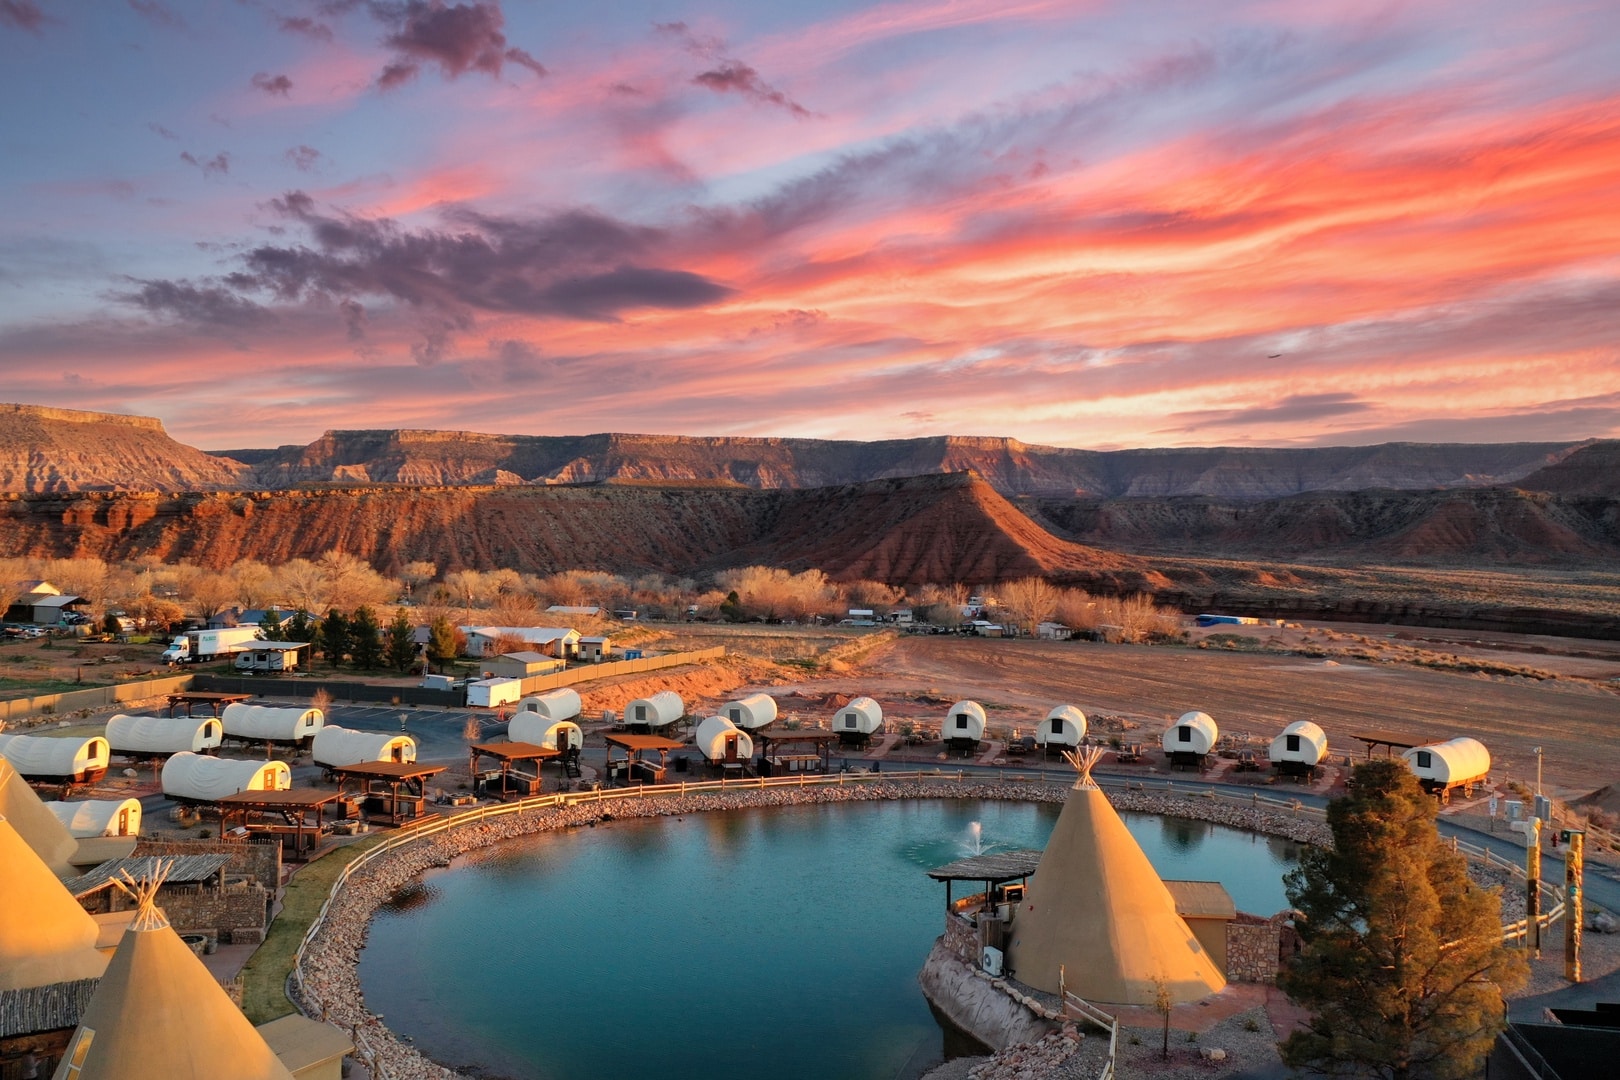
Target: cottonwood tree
x: 210, y: 592
x: 1403, y: 967
x: 304, y: 583
x: 417, y: 574
x: 1030, y: 601
x: 466, y: 586
x: 255, y: 583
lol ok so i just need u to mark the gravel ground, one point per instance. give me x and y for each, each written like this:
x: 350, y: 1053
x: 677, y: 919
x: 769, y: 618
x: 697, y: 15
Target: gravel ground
x: 1243, y: 1048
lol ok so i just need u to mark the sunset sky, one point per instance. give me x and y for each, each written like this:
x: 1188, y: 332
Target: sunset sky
x: 1081, y: 223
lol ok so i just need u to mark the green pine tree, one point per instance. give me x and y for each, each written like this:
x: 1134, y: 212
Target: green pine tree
x: 270, y: 626
x: 335, y: 637
x: 1403, y: 967
x: 301, y: 628
x: 401, y: 647
x: 442, y: 642
x: 365, y: 640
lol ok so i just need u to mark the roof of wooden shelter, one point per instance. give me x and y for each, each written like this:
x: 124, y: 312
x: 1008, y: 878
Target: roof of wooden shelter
x: 389, y: 770
x: 516, y: 751
x: 642, y: 742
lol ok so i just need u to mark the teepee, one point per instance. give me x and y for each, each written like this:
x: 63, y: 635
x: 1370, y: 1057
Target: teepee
x: 159, y: 1015
x: 38, y: 827
x: 1098, y: 910
x: 45, y: 936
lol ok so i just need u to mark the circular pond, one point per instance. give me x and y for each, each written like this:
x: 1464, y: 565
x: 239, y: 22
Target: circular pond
x: 781, y: 941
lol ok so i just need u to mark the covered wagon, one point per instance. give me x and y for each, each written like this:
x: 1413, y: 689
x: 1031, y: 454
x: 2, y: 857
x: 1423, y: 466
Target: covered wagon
x: 964, y: 727
x: 558, y: 734
x: 70, y: 759
x: 196, y: 778
x: 284, y: 725
x: 658, y: 711
x: 160, y: 736
x: 338, y: 746
x: 1189, y: 740
x: 751, y: 713
x: 858, y: 721
x: 1299, y: 749
x: 1063, y: 729
x: 561, y: 704
x: 99, y: 817
x: 722, y: 743
x: 1441, y: 768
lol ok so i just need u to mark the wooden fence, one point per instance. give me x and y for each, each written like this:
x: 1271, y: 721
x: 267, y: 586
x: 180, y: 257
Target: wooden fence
x: 586, y: 672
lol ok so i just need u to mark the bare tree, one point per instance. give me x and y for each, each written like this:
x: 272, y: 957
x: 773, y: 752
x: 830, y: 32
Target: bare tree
x: 211, y: 593
x: 305, y: 584
x: 466, y: 587
x: 417, y: 574
x: 255, y: 583
x: 1031, y: 601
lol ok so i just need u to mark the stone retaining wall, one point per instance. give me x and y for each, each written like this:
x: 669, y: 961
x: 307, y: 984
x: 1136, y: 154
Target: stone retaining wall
x: 1253, y: 949
x: 332, y: 985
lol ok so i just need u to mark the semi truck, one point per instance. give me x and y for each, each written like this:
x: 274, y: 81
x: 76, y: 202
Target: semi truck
x: 195, y: 646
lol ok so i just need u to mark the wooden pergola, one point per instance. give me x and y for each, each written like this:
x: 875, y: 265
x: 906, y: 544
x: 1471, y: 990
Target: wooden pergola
x: 513, y: 781
x: 635, y: 767
x: 815, y: 758
x: 994, y: 869
x: 216, y: 702
x: 1389, y: 740
x: 288, y: 812
x: 390, y: 791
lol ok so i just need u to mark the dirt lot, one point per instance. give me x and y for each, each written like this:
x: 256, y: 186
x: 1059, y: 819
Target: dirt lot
x: 1573, y: 719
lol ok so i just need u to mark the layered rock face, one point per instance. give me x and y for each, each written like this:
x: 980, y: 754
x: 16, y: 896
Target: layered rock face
x: 44, y: 449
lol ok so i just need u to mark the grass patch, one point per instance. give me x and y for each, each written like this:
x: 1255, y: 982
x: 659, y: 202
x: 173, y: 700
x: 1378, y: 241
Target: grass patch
x: 264, y: 978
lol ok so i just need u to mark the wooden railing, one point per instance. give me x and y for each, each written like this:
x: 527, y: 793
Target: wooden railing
x: 1087, y: 1011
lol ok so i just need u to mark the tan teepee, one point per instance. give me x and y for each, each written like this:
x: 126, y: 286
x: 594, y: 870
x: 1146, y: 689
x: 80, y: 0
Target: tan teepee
x: 159, y: 1015
x: 1097, y: 909
x: 45, y: 936
x: 38, y: 827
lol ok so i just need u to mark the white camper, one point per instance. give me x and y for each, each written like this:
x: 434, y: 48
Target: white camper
x: 531, y: 727
x: 198, y: 779
x: 722, y: 743
x: 158, y: 736
x: 1299, y: 749
x: 99, y: 817
x: 858, y: 721
x: 69, y: 759
x: 1443, y: 767
x: 561, y: 704
x: 1190, y: 739
x: 658, y: 711
x: 493, y: 693
x: 1063, y: 729
x: 338, y: 746
x: 752, y: 712
x: 268, y: 723
x: 964, y: 725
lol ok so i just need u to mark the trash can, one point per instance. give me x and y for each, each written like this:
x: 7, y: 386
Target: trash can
x: 681, y: 764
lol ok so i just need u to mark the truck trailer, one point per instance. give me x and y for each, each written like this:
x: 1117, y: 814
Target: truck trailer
x: 195, y: 646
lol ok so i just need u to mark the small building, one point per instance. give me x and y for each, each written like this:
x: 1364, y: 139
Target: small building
x: 661, y: 710
x: 561, y: 704
x: 964, y: 727
x: 194, y: 778
x: 1443, y: 767
x: 493, y: 693
x: 723, y: 745
x: 521, y: 665
x: 752, y: 712
x: 1053, y: 631
x: 1063, y: 729
x: 284, y: 726
x: 594, y: 650
x: 345, y: 746
x: 65, y: 760
x: 1299, y: 749
x: 308, y: 1048
x: 559, y: 642
x: 99, y: 817
x: 858, y: 721
x: 585, y: 611
x: 986, y: 628
x: 902, y: 617
x: 43, y: 605
x: 1189, y: 740
x: 159, y: 736
x: 1207, y: 909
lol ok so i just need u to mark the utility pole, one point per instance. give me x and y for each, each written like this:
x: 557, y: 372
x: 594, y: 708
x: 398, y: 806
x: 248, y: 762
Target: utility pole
x: 1538, y: 772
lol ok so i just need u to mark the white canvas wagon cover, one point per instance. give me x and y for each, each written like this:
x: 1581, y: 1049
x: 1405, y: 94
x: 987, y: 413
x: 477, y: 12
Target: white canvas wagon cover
x: 1451, y: 762
x: 863, y: 716
x: 271, y: 723
x: 1065, y: 725
x: 531, y: 727
x: 659, y: 710
x: 964, y: 721
x: 41, y: 756
x: 209, y: 779
x: 561, y: 704
x: 1192, y: 733
x: 345, y: 746
x: 715, y: 732
x: 752, y: 712
x: 1302, y: 742
x: 99, y: 817
x: 162, y: 734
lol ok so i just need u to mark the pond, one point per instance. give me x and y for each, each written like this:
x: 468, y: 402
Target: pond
x: 782, y: 942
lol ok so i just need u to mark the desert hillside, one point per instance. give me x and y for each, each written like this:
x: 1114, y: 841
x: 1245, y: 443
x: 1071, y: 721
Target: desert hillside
x: 44, y: 449
x: 1590, y: 470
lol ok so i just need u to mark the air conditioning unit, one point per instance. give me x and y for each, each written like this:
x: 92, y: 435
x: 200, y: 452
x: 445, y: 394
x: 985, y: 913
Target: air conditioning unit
x: 991, y: 961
